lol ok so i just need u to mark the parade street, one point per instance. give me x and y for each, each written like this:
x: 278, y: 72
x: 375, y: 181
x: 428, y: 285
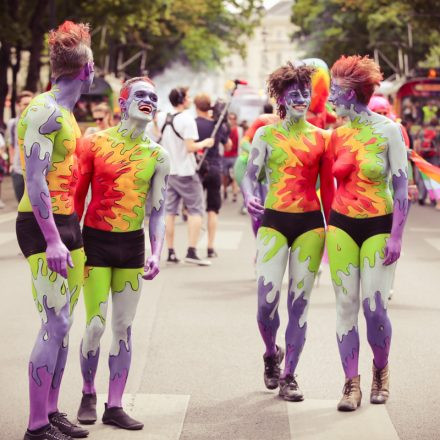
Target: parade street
x: 197, y: 368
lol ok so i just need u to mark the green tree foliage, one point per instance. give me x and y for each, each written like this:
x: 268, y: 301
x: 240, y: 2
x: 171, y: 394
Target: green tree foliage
x: 334, y: 27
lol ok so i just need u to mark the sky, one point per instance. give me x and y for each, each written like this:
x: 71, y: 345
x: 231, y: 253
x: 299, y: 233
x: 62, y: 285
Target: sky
x: 269, y: 3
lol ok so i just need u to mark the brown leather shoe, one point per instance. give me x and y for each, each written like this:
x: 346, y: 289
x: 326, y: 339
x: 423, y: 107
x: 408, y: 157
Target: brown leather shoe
x: 351, y: 395
x: 380, y: 388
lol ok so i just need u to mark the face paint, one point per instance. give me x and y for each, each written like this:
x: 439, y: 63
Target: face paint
x: 341, y: 98
x: 296, y: 100
x: 141, y: 104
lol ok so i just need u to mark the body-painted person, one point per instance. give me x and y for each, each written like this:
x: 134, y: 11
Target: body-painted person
x: 122, y: 166
x: 366, y: 226
x: 48, y: 229
x: 292, y: 152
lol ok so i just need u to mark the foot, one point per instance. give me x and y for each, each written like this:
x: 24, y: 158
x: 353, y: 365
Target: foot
x: 48, y: 432
x: 212, y: 253
x: 87, y: 409
x: 64, y: 425
x: 272, y: 369
x: 2, y: 204
x: 172, y: 257
x: 234, y: 197
x: 191, y: 257
x: 351, y: 395
x: 243, y: 210
x: 118, y: 417
x: 289, y: 389
x: 380, y: 388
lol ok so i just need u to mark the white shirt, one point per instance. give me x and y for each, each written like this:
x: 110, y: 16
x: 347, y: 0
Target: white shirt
x: 182, y: 162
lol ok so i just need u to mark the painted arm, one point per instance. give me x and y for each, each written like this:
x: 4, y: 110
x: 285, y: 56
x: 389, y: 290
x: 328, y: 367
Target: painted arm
x: 327, y: 180
x: 255, y: 164
x: 156, y: 226
x: 399, y: 174
x: 42, y: 127
x: 85, y: 173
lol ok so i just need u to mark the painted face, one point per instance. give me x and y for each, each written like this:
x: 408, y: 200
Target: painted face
x: 341, y: 98
x: 141, y: 104
x: 86, y: 76
x: 296, y: 99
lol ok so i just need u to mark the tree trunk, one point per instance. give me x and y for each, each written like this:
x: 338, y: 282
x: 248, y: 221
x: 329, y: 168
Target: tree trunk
x: 15, y: 69
x: 5, y: 56
x: 38, y: 29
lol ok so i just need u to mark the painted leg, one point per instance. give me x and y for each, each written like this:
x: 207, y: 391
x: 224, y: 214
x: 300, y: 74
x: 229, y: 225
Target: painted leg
x: 52, y: 298
x: 376, y: 282
x: 344, y: 257
x: 305, y: 258
x: 272, y: 253
x: 75, y: 277
x: 126, y: 289
x: 97, y: 282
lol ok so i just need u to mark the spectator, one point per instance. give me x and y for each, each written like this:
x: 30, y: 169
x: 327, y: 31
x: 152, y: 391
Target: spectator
x: 177, y: 133
x: 102, y: 117
x: 211, y: 177
x: 230, y: 156
x: 23, y: 100
x: 3, y: 167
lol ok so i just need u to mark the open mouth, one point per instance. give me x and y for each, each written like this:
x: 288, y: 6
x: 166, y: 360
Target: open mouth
x: 300, y: 107
x: 146, y: 108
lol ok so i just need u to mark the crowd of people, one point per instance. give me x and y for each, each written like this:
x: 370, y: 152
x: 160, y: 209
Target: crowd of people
x: 164, y: 163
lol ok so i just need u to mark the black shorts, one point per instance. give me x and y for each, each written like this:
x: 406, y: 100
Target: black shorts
x: 212, y: 182
x: 31, y: 240
x: 292, y: 224
x: 360, y: 229
x: 124, y: 250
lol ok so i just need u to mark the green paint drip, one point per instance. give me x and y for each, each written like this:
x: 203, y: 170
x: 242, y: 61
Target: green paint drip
x: 266, y: 235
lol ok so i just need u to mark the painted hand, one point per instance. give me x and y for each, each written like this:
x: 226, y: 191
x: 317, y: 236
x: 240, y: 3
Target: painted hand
x: 151, y: 268
x: 254, y: 207
x: 392, y: 250
x: 58, y: 257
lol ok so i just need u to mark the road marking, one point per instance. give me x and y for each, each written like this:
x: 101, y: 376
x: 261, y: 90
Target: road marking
x: 434, y: 242
x: 8, y: 217
x: 416, y: 229
x: 225, y: 240
x: 162, y: 414
x: 6, y: 237
x: 320, y: 420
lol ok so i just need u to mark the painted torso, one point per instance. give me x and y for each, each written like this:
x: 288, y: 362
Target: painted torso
x: 292, y: 165
x: 61, y: 129
x: 122, y: 170
x: 361, y: 167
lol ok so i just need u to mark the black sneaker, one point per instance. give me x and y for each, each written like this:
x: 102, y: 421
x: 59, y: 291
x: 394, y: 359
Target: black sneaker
x: 118, y: 417
x: 191, y: 257
x: 47, y: 433
x: 212, y: 253
x: 87, y: 409
x: 60, y: 421
x: 172, y: 257
x: 272, y: 369
x: 289, y: 389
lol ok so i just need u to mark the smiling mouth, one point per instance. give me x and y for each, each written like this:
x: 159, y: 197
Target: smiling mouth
x: 300, y: 107
x: 146, y: 108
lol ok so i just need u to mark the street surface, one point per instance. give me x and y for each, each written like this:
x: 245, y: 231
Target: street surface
x: 197, y: 369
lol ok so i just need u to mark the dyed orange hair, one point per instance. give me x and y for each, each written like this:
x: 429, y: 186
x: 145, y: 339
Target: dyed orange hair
x: 361, y: 74
x: 125, y: 90
x: 69, y: 46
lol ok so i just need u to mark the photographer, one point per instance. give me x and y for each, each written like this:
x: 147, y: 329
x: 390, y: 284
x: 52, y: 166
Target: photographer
x: 210, y: 171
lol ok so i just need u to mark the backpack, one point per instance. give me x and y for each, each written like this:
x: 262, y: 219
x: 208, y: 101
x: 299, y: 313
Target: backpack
x: 169, y: 121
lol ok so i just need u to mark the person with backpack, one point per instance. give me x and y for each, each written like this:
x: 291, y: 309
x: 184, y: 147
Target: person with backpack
x: 177, y: 133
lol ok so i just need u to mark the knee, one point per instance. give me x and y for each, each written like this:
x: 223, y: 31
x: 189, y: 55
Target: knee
x: 59, y: 327
x: 94, y: 331
x: 121, y: 330
x: 347, y: 309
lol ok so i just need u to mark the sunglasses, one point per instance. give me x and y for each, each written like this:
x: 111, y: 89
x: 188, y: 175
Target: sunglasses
x: 98, y: 119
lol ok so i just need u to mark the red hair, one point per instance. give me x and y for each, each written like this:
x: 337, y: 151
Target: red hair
x: 69, y: 46
x: 361, y: 74
x: 125, y: 91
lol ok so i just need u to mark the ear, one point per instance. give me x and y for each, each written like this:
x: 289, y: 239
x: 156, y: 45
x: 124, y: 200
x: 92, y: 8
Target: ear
x: 351, y: 95
x: 123, y: 107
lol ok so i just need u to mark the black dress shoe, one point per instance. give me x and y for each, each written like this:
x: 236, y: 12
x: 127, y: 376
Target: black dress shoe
x: 87, y: 409
x: 118, y: 417
x: 60, y: 421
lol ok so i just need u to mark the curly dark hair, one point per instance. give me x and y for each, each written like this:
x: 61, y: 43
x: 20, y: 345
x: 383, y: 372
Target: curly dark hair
x: 286, y: 76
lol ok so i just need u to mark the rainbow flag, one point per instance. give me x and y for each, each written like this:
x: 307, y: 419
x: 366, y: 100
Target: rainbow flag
x: 430, y: 174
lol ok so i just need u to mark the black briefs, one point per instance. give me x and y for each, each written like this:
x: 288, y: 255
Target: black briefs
x: 31, y: 240
x: 124, y: 250
x: 360, y: 229
x: 292, y: 224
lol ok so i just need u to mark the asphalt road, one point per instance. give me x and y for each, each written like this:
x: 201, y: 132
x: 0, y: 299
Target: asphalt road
x: 197, y: 356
